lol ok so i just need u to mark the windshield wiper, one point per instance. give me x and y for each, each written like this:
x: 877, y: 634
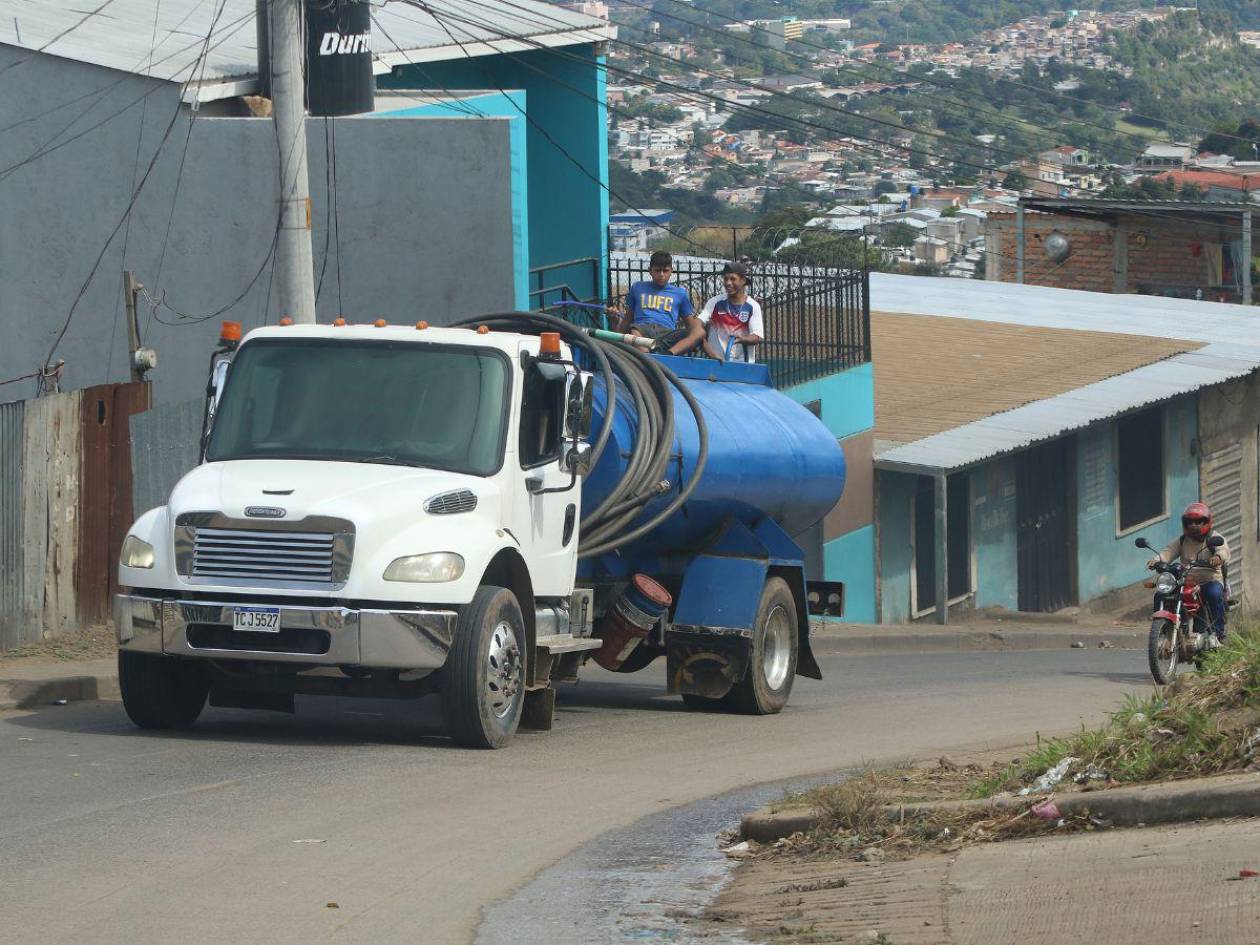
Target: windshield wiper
x: 382, y: 460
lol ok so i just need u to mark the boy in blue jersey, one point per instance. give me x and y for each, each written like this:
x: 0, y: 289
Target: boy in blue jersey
x: 656, y: 308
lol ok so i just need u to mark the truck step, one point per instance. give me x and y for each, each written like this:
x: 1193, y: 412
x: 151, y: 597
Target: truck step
x: 567, y: 643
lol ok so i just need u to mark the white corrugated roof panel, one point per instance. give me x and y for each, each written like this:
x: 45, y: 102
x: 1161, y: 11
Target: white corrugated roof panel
x: 165, y: 39
x: 1043, y: 307
x: 1055, y: 416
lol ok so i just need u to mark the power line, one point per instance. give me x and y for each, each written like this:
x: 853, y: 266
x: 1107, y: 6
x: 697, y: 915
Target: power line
x: 64, y: 33
x: 552, y: 78
x: 967, y: 107
x: 158, y: 84
x: 135, y: 196
x: 939, y: 83
x: 538, y: 127
x: 955, y: 161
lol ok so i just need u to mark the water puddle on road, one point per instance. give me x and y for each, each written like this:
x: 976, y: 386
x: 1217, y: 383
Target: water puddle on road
x: 635, y: 884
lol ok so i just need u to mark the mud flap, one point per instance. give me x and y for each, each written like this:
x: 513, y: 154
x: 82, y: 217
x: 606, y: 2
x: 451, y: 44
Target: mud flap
x: 705, y: 664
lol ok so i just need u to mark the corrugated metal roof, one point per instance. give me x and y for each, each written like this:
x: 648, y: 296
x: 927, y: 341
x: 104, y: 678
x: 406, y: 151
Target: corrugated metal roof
x: 935, y: 374
x: 121, y: 34
x: 1047, y: 419
x: 1100, y: 204
x: 1040, y: 306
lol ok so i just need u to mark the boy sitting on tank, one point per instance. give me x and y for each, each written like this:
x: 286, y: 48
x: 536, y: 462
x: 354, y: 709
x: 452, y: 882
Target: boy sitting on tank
x: 654, y: 308
x: 730, y: 325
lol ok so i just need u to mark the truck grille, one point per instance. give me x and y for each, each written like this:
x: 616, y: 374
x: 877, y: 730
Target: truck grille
x: 213, y: 548
x: 281, y: 556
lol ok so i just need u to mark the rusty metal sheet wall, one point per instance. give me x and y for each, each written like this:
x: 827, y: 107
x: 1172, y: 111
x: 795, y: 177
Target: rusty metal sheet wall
x: 11, y: 531
x: 165, y: 444
x: 105, y: 492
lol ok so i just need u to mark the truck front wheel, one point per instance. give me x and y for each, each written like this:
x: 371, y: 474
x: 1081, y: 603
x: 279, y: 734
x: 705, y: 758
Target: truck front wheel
x: 162, y: 691
x: 483, y: 681
x: 765, y: 688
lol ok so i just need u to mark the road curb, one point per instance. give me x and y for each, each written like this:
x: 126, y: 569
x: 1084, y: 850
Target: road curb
x: 1236, y: 795
x: 838, y: 640
x: 33, y: 693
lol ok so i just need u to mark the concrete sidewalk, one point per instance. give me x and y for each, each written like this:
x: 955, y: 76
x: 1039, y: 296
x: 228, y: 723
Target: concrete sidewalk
x: 29, y: 682
x: 1143, y: 886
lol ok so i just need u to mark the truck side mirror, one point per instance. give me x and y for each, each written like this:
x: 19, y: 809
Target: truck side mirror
x: 588, y: 408
x: 580, y: 408
x: 573, y: 407
x: 578, y: 459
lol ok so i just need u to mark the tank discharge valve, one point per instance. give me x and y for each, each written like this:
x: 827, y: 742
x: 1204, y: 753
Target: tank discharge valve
x: 630, y: 619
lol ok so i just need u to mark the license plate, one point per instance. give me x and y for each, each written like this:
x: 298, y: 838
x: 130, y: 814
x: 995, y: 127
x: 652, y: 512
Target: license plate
x: 256, y: 619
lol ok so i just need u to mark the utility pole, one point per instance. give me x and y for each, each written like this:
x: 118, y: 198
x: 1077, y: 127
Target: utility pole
x: 139, y: 359
x: 294, y: 266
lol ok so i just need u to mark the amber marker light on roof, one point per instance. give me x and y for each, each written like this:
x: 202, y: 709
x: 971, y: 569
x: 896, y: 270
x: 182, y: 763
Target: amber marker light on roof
x: 421, y: 326
x: 483, y: 330
x: 231, y: 331
x: 549, y: 344
x: 339, y: 322
x: 380, y: 323
x: 285, y: 321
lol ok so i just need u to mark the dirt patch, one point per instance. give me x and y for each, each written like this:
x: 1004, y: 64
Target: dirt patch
x: 93, y: 643
x: 809, y: 900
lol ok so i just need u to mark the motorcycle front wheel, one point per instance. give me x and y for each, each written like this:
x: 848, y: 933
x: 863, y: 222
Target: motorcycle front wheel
x: 1161, y: 650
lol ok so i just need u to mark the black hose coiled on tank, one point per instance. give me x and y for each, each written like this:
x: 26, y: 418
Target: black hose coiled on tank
x: 648, y: 384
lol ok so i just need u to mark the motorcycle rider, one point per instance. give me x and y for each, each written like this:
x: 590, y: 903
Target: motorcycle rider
x: 1196, y: 529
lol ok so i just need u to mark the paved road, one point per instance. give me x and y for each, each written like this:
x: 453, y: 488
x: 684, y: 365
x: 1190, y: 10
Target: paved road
x: 111, y: 835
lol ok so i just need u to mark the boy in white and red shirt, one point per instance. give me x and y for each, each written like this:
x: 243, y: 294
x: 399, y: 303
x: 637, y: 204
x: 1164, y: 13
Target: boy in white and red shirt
x: 730, y: 325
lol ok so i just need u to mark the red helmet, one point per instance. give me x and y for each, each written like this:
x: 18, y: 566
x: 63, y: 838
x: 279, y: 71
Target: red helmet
x: 1196, y: 520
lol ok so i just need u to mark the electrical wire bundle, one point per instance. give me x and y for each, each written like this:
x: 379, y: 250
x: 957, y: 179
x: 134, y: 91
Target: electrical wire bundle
x: 647, y: 382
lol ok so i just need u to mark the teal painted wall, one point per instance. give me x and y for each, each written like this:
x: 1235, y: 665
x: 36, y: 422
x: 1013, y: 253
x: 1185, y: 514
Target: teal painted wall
x: 851, y: 558
x: 1106, y: 561
x: 567, y: 144
x: 993, y: 535
x: 893, y: 494
x: 848, y: 399
x: 498, y: 107
x: 848, y: 408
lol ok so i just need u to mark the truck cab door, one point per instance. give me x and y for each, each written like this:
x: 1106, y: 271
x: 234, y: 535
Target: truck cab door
x: 547, y: 506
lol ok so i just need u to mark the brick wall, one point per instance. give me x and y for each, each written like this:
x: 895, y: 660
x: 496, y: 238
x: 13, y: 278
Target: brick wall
x: 1160, y: 252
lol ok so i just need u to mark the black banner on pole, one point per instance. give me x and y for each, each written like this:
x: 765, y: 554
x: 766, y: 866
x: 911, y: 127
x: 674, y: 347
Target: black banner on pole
x: 339, y: 79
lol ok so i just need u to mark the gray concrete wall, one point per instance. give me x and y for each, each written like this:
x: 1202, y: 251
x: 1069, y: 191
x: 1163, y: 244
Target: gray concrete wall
x: 424, y: 207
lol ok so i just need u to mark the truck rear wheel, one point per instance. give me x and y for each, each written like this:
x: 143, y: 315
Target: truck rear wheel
x: 483, y: 681
x: 162, y: 691
x: 765, y: 688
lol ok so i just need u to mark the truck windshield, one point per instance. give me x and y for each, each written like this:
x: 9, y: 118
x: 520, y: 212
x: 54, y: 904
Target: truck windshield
x: 438, y: 406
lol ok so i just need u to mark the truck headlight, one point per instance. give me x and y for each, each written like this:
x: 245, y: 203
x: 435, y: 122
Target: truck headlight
x: 433, y: 568
x: 136, y: 553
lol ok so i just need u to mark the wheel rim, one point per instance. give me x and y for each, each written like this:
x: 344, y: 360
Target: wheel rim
x: 776, y: 651
x: 1164, y: 651
x: 503, y: 670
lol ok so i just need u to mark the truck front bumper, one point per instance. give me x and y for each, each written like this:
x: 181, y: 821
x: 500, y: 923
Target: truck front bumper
x: 318, y: 636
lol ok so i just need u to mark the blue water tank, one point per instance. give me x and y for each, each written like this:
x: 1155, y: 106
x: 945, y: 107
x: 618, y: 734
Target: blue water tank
x: 768, y: 456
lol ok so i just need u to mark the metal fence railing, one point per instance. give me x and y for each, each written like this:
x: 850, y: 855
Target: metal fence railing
x: 817, y: 319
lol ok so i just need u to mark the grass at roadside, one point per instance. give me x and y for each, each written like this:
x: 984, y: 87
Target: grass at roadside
x: 1206, y: 723
x: 1202, y: 724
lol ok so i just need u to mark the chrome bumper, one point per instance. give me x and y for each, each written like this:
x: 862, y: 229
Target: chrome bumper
x: 320, y: 636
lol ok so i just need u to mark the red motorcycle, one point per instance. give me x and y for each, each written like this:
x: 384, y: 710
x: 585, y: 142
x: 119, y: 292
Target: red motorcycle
x: 1181, y: 629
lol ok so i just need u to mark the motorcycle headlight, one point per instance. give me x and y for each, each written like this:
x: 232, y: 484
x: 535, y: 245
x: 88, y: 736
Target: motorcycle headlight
x: 136, y: 553
x: 1165, y: 583
x: 433, y: 568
